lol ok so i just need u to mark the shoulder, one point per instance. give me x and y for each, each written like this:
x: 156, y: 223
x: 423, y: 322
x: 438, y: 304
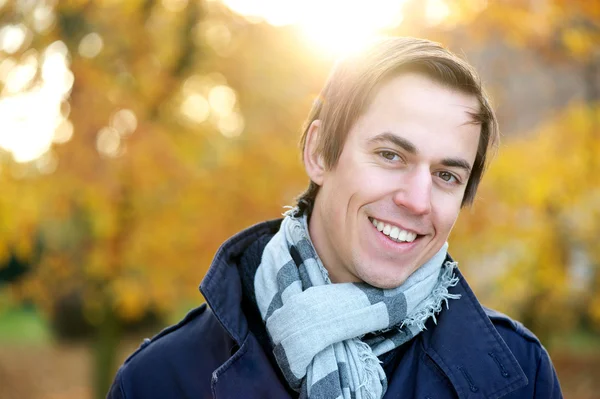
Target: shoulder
x: 182, y: 338
x: 185, y: 353
x: 529, y: 352
x: 510, y: 327
x: 521, y: 341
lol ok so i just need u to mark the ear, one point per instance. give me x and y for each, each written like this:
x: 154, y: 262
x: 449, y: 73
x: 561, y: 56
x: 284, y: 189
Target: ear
x: 313, y: 162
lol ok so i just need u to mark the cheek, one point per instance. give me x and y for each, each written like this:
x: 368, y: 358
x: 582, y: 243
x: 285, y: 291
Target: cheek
x: 370, y: 183
x: 334, y: 202
x: 446, y: 212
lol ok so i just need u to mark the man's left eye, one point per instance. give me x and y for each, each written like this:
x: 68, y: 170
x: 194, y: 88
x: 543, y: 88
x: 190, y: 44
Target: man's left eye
x: 389, y: 155
x: 448, y: 177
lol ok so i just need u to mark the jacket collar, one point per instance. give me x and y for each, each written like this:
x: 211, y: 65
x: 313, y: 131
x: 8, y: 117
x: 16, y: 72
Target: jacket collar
x: 222, y: 287
x: 464, y: 343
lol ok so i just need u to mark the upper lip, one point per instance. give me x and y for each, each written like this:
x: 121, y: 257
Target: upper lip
x: 396, y: 224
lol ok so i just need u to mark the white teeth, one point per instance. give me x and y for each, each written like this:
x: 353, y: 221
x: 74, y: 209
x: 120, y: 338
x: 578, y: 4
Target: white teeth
x: 386, y: 229
x: 403, y: 235
x: 394, y: 232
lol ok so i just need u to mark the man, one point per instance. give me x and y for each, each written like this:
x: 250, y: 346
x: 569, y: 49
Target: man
x: 353, y: 294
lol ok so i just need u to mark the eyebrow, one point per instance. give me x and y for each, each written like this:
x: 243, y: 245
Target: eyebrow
x: 387, y: 137
x: 398, y: 141
x: 457, y: 163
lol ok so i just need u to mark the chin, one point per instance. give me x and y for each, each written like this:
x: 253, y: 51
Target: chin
x: 386, y: 285
x: 383, y: 281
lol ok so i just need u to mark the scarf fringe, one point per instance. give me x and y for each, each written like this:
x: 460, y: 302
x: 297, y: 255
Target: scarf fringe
x: 370, y: 384
x: 433, y: 304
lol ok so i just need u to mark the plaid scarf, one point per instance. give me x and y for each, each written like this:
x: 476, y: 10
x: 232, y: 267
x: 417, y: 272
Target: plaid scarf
x: 327, y: 337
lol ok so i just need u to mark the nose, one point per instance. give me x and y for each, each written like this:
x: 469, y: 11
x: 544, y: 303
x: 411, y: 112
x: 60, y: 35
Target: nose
x: 415, y: 191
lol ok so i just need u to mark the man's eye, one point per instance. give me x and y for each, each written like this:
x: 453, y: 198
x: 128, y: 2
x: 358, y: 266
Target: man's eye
x: 389, y: 155
x: 448, y: 177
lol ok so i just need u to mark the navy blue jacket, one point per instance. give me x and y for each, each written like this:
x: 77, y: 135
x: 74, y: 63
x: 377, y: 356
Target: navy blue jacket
x: 472, y: 352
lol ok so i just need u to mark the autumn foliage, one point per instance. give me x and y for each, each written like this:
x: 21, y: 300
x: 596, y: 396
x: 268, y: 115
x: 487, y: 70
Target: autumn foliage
x: 171, y: 125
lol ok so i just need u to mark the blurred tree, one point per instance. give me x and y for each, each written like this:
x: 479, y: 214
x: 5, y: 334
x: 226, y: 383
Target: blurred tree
x: 149, y: 171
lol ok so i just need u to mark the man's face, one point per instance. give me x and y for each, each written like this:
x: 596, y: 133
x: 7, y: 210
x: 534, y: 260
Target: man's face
x: 390, y: 202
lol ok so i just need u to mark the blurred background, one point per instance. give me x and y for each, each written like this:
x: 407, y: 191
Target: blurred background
x: 136, y: 136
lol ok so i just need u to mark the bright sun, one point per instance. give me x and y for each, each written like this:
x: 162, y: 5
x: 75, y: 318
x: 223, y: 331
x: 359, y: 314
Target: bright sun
x: 334, y: 26
x: 31, y: 109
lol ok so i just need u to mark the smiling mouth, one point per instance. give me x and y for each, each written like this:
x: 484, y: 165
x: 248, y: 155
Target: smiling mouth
x: 392, y: 232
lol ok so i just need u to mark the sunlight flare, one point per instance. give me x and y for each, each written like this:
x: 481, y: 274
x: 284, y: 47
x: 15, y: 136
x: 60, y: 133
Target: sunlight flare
x: 334, y: 27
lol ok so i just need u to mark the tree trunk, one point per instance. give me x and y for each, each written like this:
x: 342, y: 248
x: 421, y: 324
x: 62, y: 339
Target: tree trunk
x: 105, y: 348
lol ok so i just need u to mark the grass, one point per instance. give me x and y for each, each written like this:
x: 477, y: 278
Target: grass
x: 577, y: 342
x: 25, y: 325
x: 18, y: 325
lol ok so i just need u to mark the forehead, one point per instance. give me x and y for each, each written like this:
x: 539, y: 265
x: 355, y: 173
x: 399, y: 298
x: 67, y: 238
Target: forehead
x: 423, y: 110
x: 414, y: 92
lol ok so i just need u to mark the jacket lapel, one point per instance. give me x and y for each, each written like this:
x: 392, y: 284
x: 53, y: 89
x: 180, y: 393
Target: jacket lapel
x: 470, y: 351
x: 247, y: 374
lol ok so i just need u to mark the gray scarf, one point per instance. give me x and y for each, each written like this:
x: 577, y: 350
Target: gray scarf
x: 316, y: 326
